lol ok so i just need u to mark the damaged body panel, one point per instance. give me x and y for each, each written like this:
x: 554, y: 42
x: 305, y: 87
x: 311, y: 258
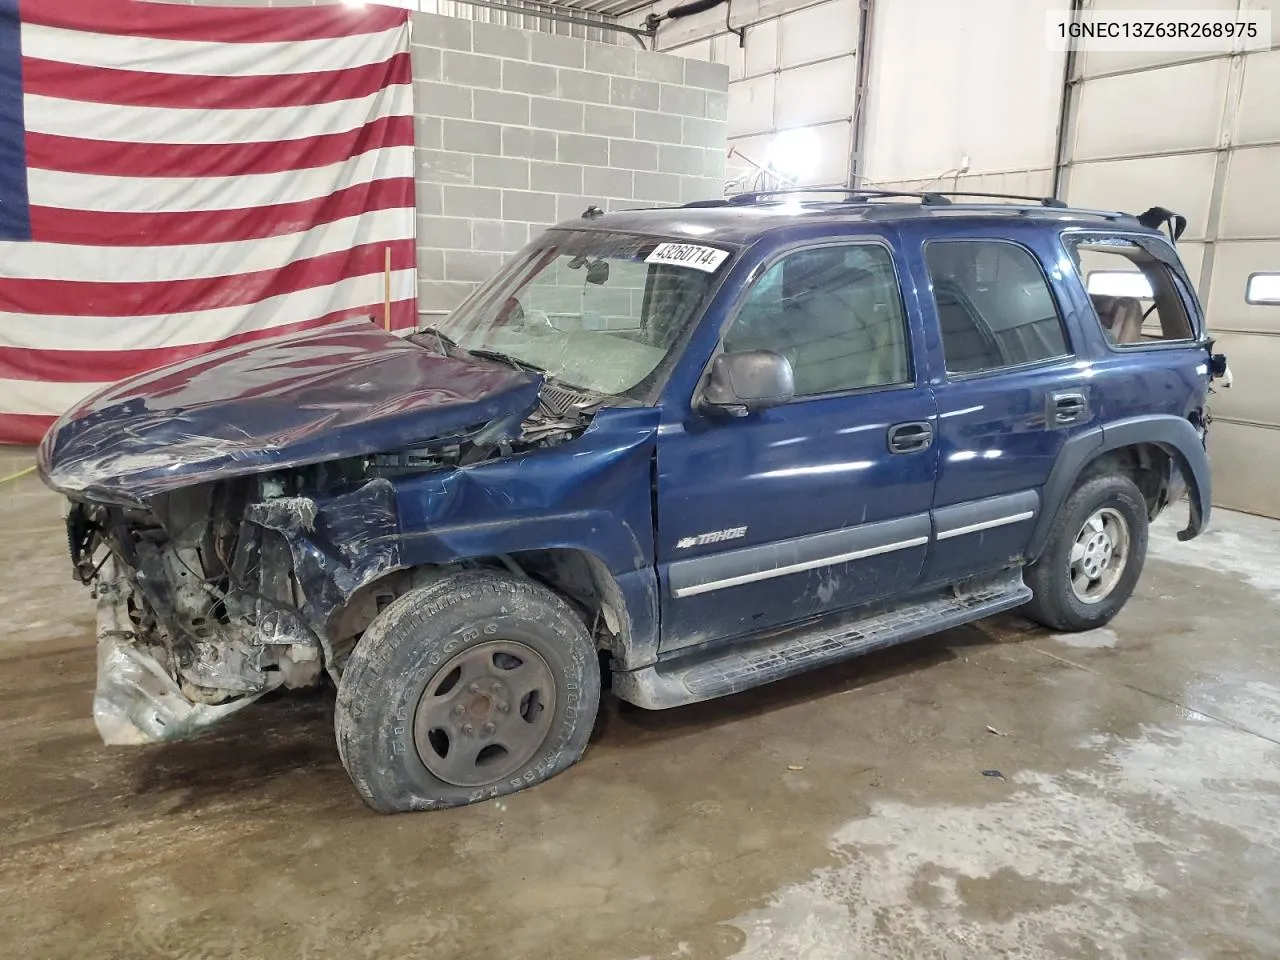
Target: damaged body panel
x: 225, y: 569
x: 705, y: 448
x: 346, y: 390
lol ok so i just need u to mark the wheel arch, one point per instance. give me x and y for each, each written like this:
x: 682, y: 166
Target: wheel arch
x: 620, y: 611
x: 1144, y: 448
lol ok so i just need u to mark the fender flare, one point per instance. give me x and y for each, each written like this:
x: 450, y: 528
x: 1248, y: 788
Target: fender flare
x: 1174, y: 435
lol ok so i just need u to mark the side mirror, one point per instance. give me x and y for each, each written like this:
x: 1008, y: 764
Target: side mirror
x: 747, y: 381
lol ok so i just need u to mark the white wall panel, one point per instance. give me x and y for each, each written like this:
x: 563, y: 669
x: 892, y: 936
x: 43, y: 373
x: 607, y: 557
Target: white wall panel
x: 1246, y: 461
x: 762, y: 48
x: 1254, y: 359
x: 1274, y: 7
x: 816, y: 33
x: 823, y: 91
x: 1182, y: 182
x: 751, y: 105
x: 1232, y: 265
x: 950, y: 80
x: 1153, y: 111
x: 1258, y: 117
x: 1251, y: 199
x: 1094, y: 62
x: 835, y: 143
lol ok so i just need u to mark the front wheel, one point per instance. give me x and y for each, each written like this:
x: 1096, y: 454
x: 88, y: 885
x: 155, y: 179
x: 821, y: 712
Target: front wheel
x: 1093, y: 557
x: 472, y: 687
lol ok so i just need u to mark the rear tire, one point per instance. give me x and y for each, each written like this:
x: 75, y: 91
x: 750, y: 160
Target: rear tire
x: 1093, y: 557
x: 475, y: 686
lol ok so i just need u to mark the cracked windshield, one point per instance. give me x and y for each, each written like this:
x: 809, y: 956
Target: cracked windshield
x: 597, y: 311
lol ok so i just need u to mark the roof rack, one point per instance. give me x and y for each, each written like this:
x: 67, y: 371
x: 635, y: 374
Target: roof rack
x: 1041, y: 201
x: 932, y: 198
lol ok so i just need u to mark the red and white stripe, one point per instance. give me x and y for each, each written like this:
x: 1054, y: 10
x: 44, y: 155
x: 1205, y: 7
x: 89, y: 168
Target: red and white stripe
x: 200, y: 176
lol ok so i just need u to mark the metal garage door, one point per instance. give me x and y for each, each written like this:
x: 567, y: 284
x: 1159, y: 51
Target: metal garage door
x: 1200, y: 134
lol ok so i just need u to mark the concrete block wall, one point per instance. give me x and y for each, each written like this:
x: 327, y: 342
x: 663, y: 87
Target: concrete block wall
x: 518, y: 130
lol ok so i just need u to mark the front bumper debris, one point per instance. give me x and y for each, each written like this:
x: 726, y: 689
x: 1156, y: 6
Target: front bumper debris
x: 136, y: 701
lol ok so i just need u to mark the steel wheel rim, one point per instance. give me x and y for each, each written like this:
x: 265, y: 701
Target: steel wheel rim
x: 1099, y: 555
x: 485, y: 713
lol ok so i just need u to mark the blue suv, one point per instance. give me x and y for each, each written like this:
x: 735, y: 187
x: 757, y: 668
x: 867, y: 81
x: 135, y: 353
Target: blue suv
x: 689, y: 450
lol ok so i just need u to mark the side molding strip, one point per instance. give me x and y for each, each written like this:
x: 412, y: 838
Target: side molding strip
x: 973, y: 516
x: 986, y: 525
x: 731, y: 568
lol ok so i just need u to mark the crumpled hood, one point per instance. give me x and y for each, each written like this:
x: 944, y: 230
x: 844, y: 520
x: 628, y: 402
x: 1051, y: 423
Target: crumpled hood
x: 346, y: 390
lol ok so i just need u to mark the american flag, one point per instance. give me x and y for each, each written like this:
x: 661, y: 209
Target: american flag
x: 177, y: 178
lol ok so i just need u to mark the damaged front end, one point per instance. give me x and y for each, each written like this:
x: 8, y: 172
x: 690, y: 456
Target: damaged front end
x: 212, y: 595
x: 219, y: 593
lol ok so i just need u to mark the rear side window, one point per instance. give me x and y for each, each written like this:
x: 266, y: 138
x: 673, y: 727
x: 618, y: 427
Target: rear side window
x: 1133, y: 293
x: 835, y: 313
x: 994, y: 305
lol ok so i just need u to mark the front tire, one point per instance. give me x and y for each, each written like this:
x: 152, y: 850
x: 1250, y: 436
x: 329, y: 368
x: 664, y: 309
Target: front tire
x: 1093, y: 557
x: 472, y: 687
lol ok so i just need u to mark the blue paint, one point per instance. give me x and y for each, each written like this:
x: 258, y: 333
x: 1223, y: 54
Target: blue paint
x: 641, y: 487
x: 15, y: 205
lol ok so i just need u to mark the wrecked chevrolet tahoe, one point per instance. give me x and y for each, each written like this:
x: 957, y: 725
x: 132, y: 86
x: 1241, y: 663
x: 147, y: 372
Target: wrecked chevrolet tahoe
x: 687, y: 450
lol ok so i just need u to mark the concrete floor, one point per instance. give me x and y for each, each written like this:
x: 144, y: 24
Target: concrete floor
x: 839, y: 815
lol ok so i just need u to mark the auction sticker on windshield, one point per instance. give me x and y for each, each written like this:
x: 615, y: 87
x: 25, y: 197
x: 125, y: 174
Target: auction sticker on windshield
x: 693, y: 255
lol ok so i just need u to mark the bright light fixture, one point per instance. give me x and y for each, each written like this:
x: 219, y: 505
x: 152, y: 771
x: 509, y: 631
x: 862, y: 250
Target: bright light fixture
x: 794, y: 154
x: 1120, y: 283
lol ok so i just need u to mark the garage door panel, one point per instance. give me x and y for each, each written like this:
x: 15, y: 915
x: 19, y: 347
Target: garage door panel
x: 1274, y: 7
x: 751, y: 105
x: 1254, y: 360
x: 1233, y: 263
x: 1094, y: 62
x: 1258, y: 118
x: 1246, y: 461
x: 821, y: 92
x: 1155, y: 111
x: 834, y: 145
x: 1183, y: 182
x: 816, y: 33
x: 762, y: 48
x: 1251, y: 195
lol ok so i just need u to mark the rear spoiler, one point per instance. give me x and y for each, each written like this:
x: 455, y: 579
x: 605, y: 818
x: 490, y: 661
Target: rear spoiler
x: 1157, y: 217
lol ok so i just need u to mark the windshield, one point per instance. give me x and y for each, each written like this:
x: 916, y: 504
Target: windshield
x: 598, y: 311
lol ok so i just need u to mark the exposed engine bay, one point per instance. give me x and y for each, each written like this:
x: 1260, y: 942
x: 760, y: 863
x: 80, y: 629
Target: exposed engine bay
x: 211, y: 595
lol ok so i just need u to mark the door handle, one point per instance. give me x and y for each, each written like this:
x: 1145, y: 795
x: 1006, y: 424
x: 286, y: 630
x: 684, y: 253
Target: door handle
x: 910, y: 437
x: 1067, y: 407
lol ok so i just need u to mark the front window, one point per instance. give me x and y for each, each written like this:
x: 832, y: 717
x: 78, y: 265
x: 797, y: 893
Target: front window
x: 597, y: 311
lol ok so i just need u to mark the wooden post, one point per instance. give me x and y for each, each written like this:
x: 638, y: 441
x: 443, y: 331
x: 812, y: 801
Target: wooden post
x: 386, y: 292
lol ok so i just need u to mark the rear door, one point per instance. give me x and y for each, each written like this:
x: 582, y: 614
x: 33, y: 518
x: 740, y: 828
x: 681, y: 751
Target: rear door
x: 1009, y: 391
x: 817, y: 505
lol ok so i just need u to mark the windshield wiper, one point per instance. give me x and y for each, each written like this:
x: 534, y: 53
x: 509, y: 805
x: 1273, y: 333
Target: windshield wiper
x: 442, y: 338
x: 504, y: 358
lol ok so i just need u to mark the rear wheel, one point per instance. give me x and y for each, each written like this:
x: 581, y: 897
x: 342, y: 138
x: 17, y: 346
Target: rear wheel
x: 1093, y: 557
x: 473, y: 687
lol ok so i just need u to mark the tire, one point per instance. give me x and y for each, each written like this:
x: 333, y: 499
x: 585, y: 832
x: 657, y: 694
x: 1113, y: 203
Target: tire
x: 1113, y: 500
x: 412, y: 738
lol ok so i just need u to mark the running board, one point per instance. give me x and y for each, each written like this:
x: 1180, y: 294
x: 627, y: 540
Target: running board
x: 704, y: 675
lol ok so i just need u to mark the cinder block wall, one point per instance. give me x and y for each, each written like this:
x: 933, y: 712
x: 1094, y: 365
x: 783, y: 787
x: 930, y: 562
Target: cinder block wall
x: 518, y: 130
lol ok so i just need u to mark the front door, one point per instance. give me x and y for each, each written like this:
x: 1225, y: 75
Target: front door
x: 816, y: 505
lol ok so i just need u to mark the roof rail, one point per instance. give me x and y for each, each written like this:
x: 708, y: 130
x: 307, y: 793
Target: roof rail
x: 932, y: 198
x: 851, y: 194
x: 1041, y: 201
